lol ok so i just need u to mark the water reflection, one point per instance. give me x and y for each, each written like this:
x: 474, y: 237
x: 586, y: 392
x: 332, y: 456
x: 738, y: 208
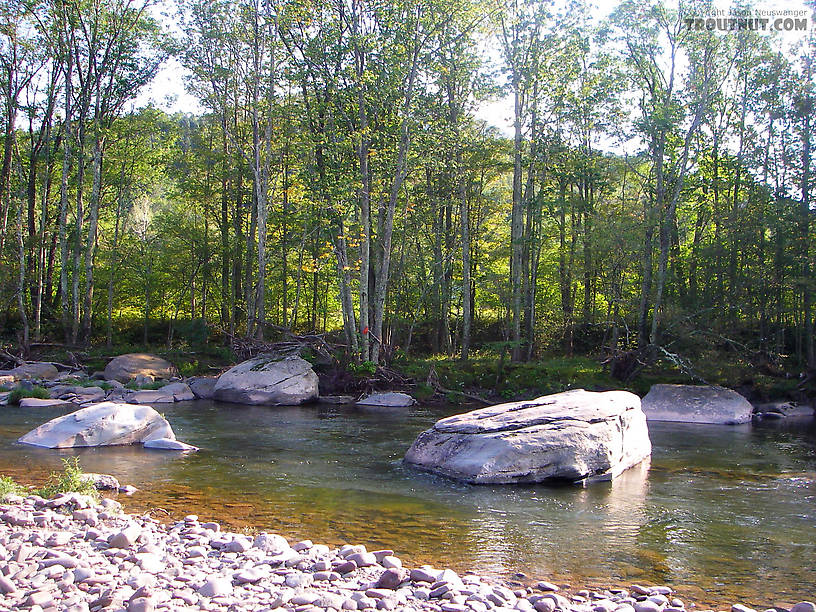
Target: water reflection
x: 726, y: 509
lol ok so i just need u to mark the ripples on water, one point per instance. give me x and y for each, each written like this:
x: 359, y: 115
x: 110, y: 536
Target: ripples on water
x: 725, y: 513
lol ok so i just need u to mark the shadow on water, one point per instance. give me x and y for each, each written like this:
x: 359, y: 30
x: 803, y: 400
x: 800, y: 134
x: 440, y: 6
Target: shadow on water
x: 726, y: 513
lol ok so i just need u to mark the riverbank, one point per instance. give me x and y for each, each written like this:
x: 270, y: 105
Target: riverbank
x: 69, y: 553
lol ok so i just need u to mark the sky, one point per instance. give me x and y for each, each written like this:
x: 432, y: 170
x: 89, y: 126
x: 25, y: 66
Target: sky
x: 167, y: 90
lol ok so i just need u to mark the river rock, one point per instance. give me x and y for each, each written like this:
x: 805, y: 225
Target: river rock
x: 696, y: 404
x: 169, y: 444
x: 269, y: 381
x: 271, y: 543
x: 35, y: 369
x: 216, y: 586
x: 392, y: 399
x: 202, y: 387
x: 781, y: 410
x: 337, y: 400
x: 35, y: 402
x: 104, y: 424
x: 804, y: 606
x: 150, y: 396
x: 125, y: 367
x: 180, y: 391
x: 103, y: 482
x: 569, y: 436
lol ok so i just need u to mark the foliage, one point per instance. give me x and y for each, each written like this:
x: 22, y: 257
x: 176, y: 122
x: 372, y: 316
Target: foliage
x: 656, y: 189
x: 364, y: 368
x: 21, y: 392
x: 133, y: 386
x: 70, y: 480
x: 9, y: 487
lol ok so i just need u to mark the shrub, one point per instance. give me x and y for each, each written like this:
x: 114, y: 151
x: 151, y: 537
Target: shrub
x: 148, y: 387
x: 19, y: 393
x: 9, y: 487
x: 71, y: 480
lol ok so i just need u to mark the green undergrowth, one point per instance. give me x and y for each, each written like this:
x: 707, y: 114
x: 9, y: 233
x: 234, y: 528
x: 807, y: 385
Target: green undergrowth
x: 70, y: 480
x: 19, y: 393
x: 492, y: 377
x: 488, y: 374
x: 76, y: 381
x: 147, y: 386
x: 9, y: 487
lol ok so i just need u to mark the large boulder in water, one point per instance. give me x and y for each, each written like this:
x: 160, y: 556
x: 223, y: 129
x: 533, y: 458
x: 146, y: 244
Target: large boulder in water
x: 202, y: 386
x: 570, y: 436
x: 103, y: 424
x: 126, y: 367
x: 268, y: 380
x: 696, y: 404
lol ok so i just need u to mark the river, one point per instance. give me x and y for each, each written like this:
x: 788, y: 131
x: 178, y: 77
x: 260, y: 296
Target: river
x: 722, y: 513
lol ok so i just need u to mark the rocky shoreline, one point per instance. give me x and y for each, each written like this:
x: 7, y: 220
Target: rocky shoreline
x: 70, y: 553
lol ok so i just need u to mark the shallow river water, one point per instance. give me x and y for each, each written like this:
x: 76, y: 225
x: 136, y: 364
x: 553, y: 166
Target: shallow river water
x: 722, y: 513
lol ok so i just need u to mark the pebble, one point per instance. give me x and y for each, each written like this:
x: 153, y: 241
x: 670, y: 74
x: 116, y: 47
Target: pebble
x: 69, y: 555
x: 125, y: 538
x: 215, y: 587
x: 6, y: 586
x: 390, y: 579
x: 650, y: 606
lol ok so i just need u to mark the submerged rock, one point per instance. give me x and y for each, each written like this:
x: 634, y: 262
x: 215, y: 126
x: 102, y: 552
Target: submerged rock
x: 126, y: 367
x: 696, y: 404
x: 266, y: 380
x: 104, y: 424
x: 573, y: 436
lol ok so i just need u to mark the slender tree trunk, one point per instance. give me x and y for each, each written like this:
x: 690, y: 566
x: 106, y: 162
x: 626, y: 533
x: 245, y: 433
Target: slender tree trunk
x: 465, y: 224
x: 90, y: 247
x: 807, y: 289
x: 67, y: 155
x: 21, y: 285
x: 401, y: 171
x: 226, y: 314
x: 516, y: 221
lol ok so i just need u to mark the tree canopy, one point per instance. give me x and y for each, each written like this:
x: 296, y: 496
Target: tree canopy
x: 655, y: 187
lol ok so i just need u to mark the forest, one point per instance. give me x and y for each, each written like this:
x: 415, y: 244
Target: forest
x: 652, y: 200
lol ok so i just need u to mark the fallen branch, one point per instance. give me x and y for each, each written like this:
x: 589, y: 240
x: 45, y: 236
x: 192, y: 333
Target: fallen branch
x: 433, y: 382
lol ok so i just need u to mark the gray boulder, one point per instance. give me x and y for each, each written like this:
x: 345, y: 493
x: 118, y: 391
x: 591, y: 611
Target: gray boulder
x: 103, y: 482
x: 391, y: 399
x: 571, y: 436
x: 104, y: 424
x: 169, y: 444
x: 156, y: 396
x: 126, y: 367
x: 696, y: 404
x: 174, y: 392
x: 266, y: 380
x: 180, y: 391
x: 35, y: 402
x: 202, y: 386
x: 36, y: 369
x: 781, y: 410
